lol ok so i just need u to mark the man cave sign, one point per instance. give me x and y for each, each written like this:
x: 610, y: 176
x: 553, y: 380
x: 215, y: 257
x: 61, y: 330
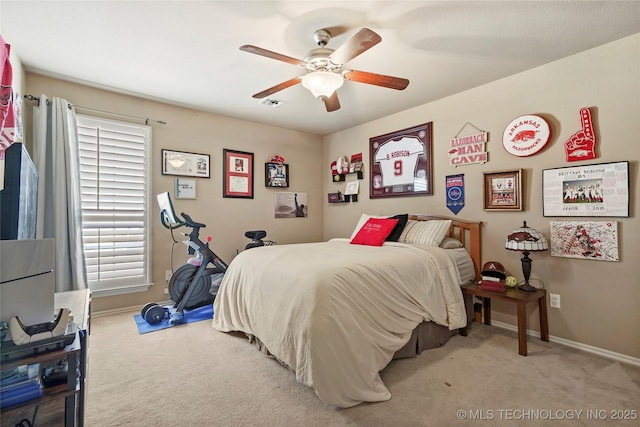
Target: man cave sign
x: 526, y: 135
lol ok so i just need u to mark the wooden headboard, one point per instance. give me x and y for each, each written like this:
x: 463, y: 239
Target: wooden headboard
x: 468, y: 232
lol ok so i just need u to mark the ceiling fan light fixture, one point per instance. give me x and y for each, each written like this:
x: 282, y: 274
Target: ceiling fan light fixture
x: 322, y: 83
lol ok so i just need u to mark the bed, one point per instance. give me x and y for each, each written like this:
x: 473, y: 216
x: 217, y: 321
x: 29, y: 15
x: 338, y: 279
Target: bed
x: 336, y: 313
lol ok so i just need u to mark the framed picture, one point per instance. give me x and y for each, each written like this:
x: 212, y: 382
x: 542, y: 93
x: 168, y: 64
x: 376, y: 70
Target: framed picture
x: 592, y: 240
x: 352, y: 187
x: 276, y: 175
x: 185, y: 188
x: 237, y: 174
x: 401, y: 163
x: 185, y: 164
x: 290, y: 205
x: 503, y: 190
x: 588, y: 190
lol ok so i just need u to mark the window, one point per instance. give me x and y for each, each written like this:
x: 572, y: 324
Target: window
x: 115, y: 174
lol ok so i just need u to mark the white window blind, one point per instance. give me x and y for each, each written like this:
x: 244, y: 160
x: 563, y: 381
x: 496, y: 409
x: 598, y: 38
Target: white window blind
x: 115, y: 175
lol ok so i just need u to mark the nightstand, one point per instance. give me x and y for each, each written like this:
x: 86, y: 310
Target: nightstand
x: 521, y: 298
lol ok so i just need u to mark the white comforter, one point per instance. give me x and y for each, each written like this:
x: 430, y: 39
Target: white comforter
x: 335, y: 313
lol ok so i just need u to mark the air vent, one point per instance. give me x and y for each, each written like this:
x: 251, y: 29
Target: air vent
x: 271, y: 102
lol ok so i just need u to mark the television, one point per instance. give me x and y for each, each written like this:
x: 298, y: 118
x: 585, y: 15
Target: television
x: 19, y: 197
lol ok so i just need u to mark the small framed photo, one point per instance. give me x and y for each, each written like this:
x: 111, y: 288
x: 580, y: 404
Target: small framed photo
x: 185, y: 188
x: 352, y: 187
x: 503, y: 190
x: 185, y: 164
x: 276, y: 175
x: 237, y: 174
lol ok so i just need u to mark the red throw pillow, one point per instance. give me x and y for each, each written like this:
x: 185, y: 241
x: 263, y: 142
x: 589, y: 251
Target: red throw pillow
x: 374, y: 231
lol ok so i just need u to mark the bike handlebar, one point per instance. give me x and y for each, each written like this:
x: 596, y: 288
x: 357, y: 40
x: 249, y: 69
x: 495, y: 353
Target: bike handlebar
x: 191, y: 223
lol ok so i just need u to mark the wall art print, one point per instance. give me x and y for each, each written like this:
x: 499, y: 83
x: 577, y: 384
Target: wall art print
x: 185, y: 164
x: 592, y: 240
x: 291, y: 205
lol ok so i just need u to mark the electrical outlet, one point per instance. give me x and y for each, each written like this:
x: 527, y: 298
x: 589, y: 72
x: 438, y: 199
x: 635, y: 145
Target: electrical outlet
x: 167, y: 275
x: 554, y: 300
x: 166, y: 291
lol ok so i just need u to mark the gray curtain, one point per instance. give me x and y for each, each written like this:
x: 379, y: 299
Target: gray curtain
x: 55, y: 148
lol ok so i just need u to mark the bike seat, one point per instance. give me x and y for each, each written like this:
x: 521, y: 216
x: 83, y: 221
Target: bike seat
x: 254, y: 244
x: 256, y: 234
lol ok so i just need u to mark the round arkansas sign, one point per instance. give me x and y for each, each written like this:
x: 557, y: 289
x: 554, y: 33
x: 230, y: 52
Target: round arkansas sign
x: 526, y: 135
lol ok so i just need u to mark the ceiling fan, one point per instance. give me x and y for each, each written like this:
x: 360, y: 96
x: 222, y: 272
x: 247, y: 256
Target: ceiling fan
x: 324, y: 67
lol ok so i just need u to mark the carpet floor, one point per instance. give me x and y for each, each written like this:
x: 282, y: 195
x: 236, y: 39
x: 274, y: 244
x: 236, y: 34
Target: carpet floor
x: 197, y: 376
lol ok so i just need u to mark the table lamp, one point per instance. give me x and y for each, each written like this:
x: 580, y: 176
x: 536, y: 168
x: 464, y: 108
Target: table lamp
x: 526, y: 240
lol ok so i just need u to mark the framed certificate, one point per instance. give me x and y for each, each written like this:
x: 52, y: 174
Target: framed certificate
x: 237, y: 174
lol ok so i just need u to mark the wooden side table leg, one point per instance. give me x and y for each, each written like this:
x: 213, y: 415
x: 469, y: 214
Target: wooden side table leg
x: 522, y: 329
x: 486, y: 306
x: 544, y: 320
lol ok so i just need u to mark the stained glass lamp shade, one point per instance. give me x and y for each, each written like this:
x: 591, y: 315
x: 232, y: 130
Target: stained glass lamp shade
x: 526, y: 240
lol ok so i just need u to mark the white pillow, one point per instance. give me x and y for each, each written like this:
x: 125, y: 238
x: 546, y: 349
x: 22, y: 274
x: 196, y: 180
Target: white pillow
x: 428, y: 233
x: 408, y: 226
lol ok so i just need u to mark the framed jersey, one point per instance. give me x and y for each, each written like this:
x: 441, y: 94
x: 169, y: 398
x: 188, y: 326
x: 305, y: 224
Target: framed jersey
x: 402, y: 163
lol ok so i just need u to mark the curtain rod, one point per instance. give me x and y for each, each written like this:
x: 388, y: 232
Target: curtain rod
x: 77, y: 107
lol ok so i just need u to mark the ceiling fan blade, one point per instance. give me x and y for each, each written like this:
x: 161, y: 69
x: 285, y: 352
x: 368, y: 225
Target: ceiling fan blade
x: 278, y: 87
x: 332, y: 103
x: 273, y: 55
x: 397, y: 83
x: 363, y: 40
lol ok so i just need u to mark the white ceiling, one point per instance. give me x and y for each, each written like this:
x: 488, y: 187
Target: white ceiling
x: 186, y: 52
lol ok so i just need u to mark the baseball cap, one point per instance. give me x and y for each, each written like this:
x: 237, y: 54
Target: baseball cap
x: 494, y: 269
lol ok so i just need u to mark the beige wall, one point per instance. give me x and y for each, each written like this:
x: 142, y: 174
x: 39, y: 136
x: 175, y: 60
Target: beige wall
x: 599, y: 299
x: 226, y: 219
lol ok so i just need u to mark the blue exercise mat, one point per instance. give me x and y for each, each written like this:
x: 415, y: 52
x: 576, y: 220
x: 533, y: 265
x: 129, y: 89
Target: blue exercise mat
x: 190, y: 316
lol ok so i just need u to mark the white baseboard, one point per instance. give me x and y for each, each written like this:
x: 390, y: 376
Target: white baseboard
x: 574, y: 344
x: 134, y: 309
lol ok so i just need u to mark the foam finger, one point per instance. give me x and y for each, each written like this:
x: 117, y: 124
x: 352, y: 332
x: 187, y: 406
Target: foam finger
x: 587, y: 125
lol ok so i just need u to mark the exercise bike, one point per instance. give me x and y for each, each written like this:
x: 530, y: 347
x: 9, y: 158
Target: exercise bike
x: 194, y: 284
